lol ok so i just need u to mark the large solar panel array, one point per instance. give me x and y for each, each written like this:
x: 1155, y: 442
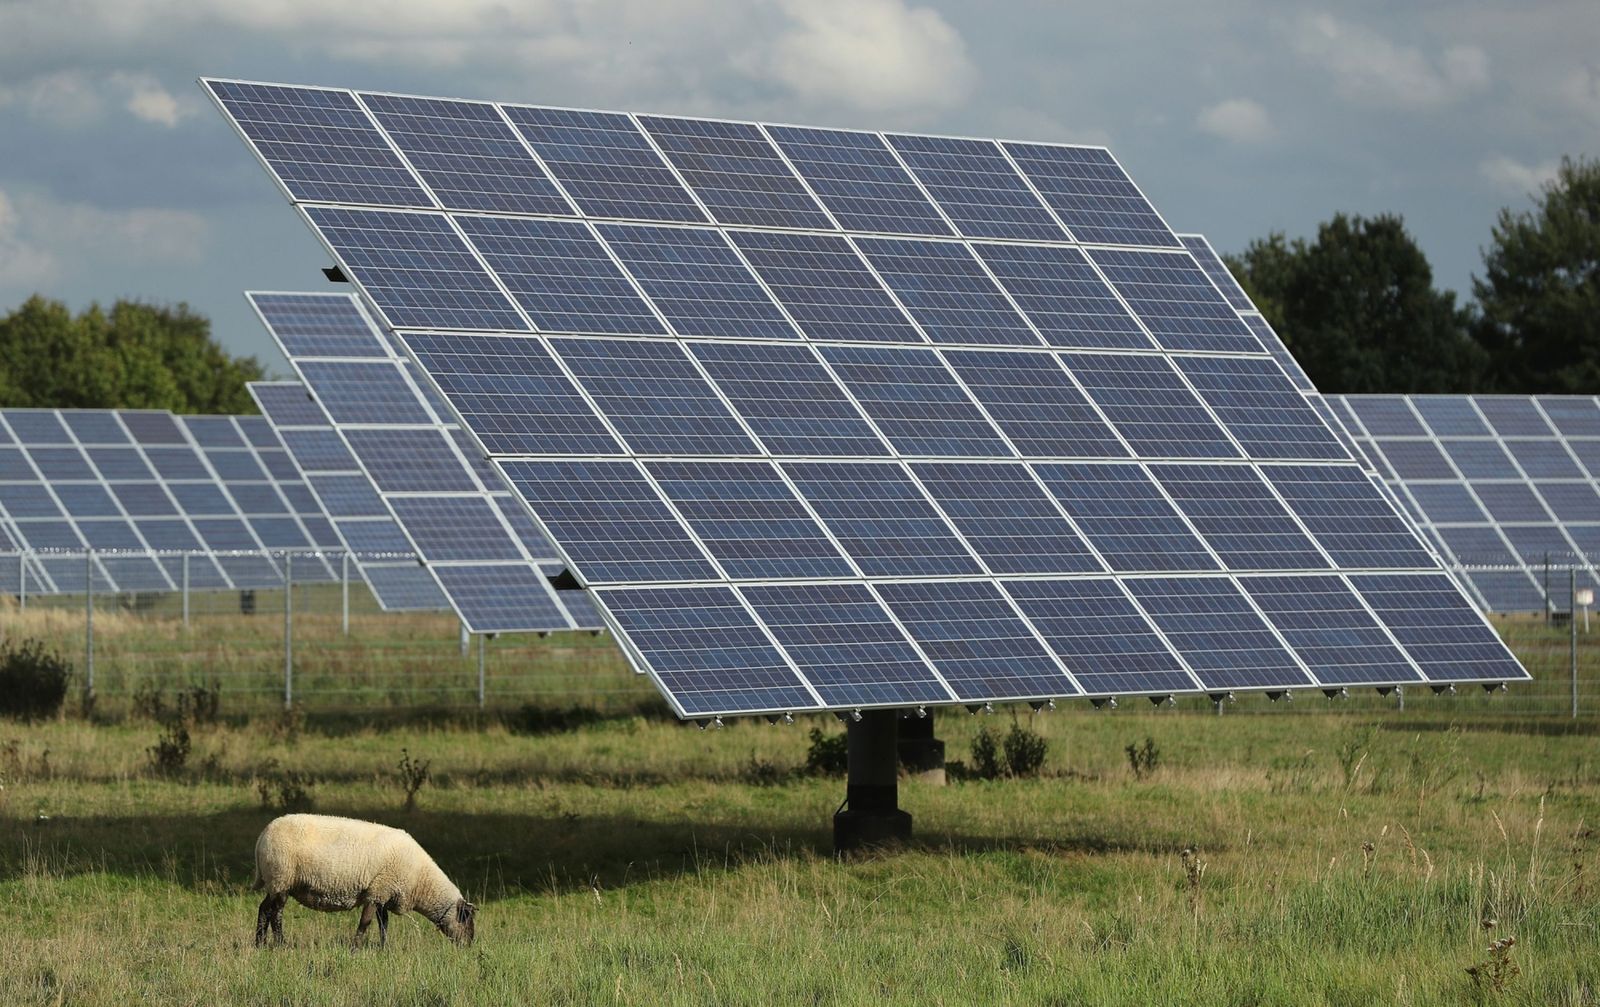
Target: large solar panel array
x: 819, y: 432
x: 404, y: 480
x: 1503, y: 484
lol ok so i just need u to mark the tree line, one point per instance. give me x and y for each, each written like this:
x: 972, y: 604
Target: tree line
x: 1356, y: 305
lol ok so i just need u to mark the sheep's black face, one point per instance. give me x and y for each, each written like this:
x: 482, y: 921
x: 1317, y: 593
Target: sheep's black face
x: 459, y: 925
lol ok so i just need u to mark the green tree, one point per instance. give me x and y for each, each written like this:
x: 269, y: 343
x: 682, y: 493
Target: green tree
x: 1358, y: 308
x: 1540, y: 292
x: 135, y: 356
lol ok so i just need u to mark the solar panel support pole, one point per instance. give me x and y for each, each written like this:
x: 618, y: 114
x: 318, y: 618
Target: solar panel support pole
x: 186, y: 592
x: 22, y: 581
x: 466, y: 642
x: 288, y: 630
x: 482, y: 695
x: 920, y: 753
x: 1572, y: 620
x: 344, y: 590
x: 88, y: 628
x: 871, y: 814
x: 1547, y: 606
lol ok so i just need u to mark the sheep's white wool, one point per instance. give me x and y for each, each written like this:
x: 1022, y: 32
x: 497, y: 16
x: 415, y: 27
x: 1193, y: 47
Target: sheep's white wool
x: 335, y: 864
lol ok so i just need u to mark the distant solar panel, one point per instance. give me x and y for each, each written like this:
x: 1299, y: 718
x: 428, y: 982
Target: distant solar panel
x: 779, y: 509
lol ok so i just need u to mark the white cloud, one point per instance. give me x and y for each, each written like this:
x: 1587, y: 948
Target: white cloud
x: 1242, y: 120
x: 149, y: 101
x: 73, y: 99
x: 1369, y: 67
x: 1513, y: 177
x: 23, y: 265
x: 39, y: 234
x: 872, y: 54
x: 68, y: 98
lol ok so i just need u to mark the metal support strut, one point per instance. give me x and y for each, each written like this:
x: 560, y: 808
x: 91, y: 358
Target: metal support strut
x: 871, y: 814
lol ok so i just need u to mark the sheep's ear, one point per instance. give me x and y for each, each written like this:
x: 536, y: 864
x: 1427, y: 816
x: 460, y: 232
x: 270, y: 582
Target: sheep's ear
x: 465, y: 911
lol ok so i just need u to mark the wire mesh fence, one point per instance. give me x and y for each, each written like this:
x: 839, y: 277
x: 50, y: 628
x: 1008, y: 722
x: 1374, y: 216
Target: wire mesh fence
x: 332, y: 648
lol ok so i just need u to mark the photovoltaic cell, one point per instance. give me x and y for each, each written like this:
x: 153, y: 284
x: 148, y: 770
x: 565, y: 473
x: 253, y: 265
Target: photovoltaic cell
x: 859, y: 180
x: 1217, y: 270
x: 1545, y: 459
x: 1092, y: 195
x: 1237, y: 515
x: 882, y: 519
x: 1476, y: 460
x: 1513, y: 416
x: 321, y: 144
x: 1570, y: 502
x: 409, y: 461
x: 1416, y: 459
x: 915, y: 401
x: 1266, y: 337
x: 1438, y: 627
x: 1035, y: 403
x: 697, y: 281
x: 1013, y: 525
x: 355, y: 392
x: 845, y: 644
x: 1126, y: 518
x: 451, y: 528
x: 1385, y: 416
x: 500, y: 598
x: 1064, y: 297
x: 736, y: 173
x: 287, y: 404
x: 1175, y: 301
x: 1149, y: 404
x: 1218, y: 633
x: 973, y: 636
x: 1448, y: 503
x: 319, y: 450
x: 946, y: 290
x: 1511, y: 502
x: 788, y: 399
x: 1261, y: 408
x: 1451, y: 415
x: 318, y: 325
x: 1102, y: 638
x: 825, y: 287
x: 1331, y: 631
x: 977, y: 188
x: 467, y: 155
x: 1572, y: 416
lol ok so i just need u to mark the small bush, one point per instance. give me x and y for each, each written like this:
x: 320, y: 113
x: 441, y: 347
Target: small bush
x: 283, y: 789
x: 413, y: 776
x: 986, y: 764
x: 760, y: 772
x: 149, y: 702
x: 289, y: 723
x: 829, y: 754
x: 33, y: 681
x: 1025, y: 751
x: 172, y: 747
x: 1143, y: 759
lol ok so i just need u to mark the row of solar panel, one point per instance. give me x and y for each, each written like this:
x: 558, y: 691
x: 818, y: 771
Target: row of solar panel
x: 390, y: 464
x: 333, y: 146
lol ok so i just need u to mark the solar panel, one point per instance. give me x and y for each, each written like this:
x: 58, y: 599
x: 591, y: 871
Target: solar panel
x: 1437, y: 626
x: 1332, y: 631
x: 859, y: 523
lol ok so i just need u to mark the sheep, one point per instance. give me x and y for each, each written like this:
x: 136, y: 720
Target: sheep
x: 334, y: 864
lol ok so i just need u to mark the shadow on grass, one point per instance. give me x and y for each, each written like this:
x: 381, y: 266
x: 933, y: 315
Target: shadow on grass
x: 1547, y: 727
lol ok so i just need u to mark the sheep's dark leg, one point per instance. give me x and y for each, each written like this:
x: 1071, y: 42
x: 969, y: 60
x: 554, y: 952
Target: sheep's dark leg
x: 383, y: 927
x: 369, y: 912
x: 269, y: 914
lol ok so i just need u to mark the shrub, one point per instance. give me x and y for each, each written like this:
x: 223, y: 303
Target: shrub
x: 413, y: 775
x: 829, y: 754
x: 172, y: 746
x: 1025, y: 751
x: 284, y: 789
x: 760, y: 772
x: 33, y: 681
x: 1143, y: 759
x: 986, y: 763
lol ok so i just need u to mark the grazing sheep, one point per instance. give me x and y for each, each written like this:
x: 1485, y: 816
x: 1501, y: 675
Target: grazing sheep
x: 334, y: 864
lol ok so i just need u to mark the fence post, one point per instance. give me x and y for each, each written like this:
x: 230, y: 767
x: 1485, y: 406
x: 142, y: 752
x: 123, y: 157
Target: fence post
x: 1400, y: 697
x: 1547, y: 606
x: 88, y: 625
x: 481, y: 690
x: 344, y: 578
x: 288, y: 630
x: 186, y: 592
x: 22, y: 581
x: 1572, y: 620
x: 465, y: 639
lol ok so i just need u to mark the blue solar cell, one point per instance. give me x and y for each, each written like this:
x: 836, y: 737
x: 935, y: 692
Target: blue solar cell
x: 882, y: 519
x: 1035, y: 403
x: 1570, y: 502
x: 320, y: 144
x: 279, y: 467
x: 1217, y: 271
x: 1214, y: 628
x: 1476, y: 460
x: 60, y: 464
x: 512, y: 394
x: 605, y: 164
x: 35, y: 427
x: 363, y: 392
x: 50, y: 533
x: 95, y: 426
x: 1544, y: 459
x: 14, y: 466
x: 1572, y: 415
x: 1091, y: 194
x: 706, y: 650
x: 416, y: 269
x: 455, y: 528
x: 736, y: 173
x: 1385, y: 415
x: 86, y: 500
x: 287, y: 404
x: 214, y: 431
x: 788, y: 399
x: 1416, y: 460
x: 1331, y: 631
x: 1173, y: 298
x: 945, y: 288
x: 401, y: 461
x: 1067, y: 301
x: 1513, y: 416
x: 317, y: 325
x: 1149, y: 404
x: 1508, y: 502
x: 144, y: 499
x: 283, y: 533
x: 609, y: 521
x: 1125, y: 517
x: 581, y: 609
x: 377, y: 539
x: 501, y: 598
x: 25, y: 500
x: 1437, y: 626
x: 973, y: 636
x: 915, y: 401
x: 152, y: 427
x: 534, y: 541
x: 467, y: 154
x: 1451, y: 415
x: 225, y: 533
x: 1261, y: 408
x: 654, y: 396
x: 404, y: 588
x: 561, y: 275
x: 826, y: 288
x: 1537, y: 545
x: 977, y: 188
x: 1588, y: 452
x: 235, y: 466
x: 749, y: 520
x: 1102, y: 638
x: 201, y: 498
x: 1235, y: 512
x: 172, y: 534
x: 1010, y: 522
x: 257, y: 498
x: 319, y: 450
x: 1267, y: 337
x: 845, y: 644
x: 859, y: 180
x: 1447, y: 503
x: 697, y: 281
x: 1478, y: 546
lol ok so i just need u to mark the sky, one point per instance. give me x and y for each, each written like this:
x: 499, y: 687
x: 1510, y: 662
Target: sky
x: 1238, y: 118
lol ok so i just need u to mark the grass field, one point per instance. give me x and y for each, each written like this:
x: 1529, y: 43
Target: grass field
x: 618, y: 857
